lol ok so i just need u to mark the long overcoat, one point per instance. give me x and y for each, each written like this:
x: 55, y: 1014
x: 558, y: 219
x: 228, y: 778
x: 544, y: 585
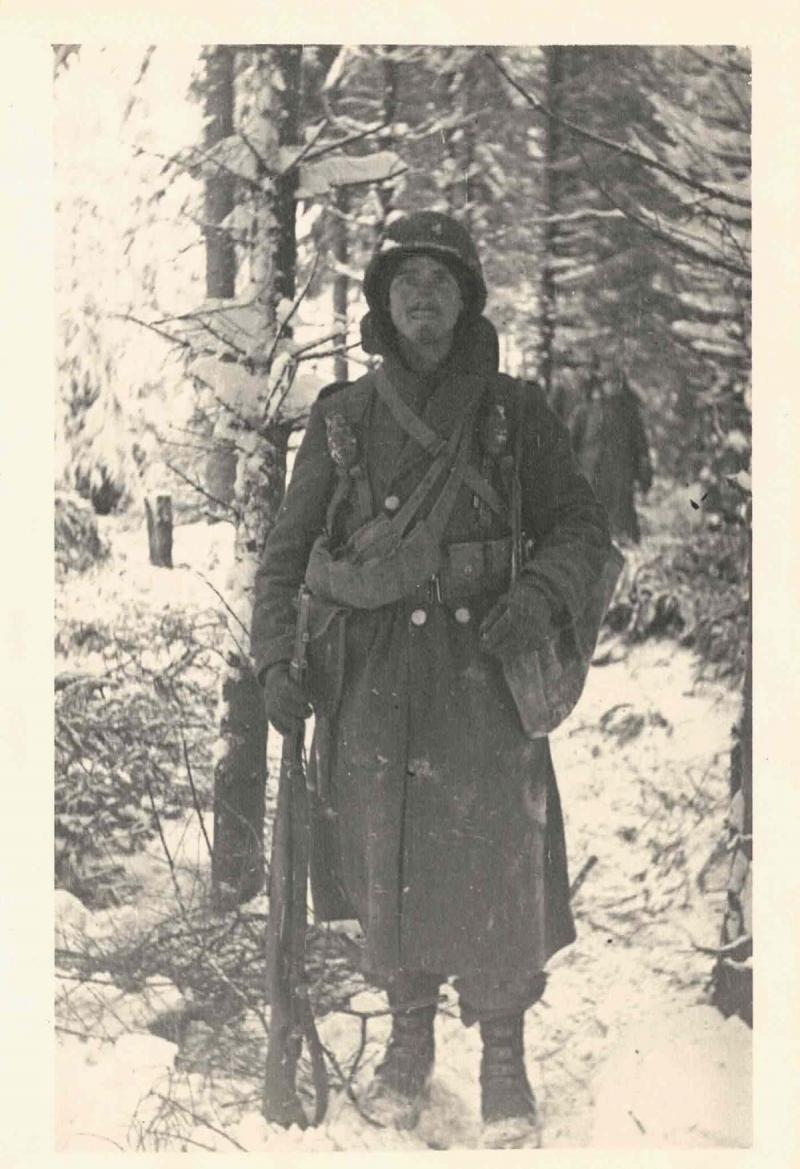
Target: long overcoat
x: 447, y: 842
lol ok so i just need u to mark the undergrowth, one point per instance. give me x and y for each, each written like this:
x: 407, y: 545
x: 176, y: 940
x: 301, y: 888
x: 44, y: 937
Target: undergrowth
x: 134, y: 730
x: 693, y: 589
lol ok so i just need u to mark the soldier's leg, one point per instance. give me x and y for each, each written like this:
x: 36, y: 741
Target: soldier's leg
x: 399, y: 1087
x: 508, y: 1108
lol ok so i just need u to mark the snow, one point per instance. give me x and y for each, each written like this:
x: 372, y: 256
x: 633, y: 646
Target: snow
x: 682, y: 1080
x: 320, y: 177
x: 101, y: 1089
x: 623, y: 1051
x: 100, y: 1008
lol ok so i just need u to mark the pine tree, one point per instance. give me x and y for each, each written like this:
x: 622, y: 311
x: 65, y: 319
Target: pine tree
x: 116, y: 219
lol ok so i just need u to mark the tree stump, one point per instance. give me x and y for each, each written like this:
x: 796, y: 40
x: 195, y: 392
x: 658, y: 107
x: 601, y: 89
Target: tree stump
x: 159, y: 530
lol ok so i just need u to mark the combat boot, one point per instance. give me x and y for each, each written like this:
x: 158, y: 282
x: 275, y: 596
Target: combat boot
x: 401, y: 1082
x: 508, y: 1108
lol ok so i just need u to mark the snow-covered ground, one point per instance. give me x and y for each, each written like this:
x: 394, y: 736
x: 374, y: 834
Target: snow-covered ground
x: 623, y: 1051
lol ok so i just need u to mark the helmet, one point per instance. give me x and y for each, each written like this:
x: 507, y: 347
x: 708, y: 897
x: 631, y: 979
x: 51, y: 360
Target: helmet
x: 432, y: 234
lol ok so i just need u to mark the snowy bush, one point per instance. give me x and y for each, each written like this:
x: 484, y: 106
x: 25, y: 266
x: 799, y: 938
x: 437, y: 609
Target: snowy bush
x: 125, y: 723
x: 694, y: 589
x: 78, y: 544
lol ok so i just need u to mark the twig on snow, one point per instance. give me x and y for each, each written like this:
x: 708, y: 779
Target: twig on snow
x: 586, y: 868
x: 199, y: 1120
x: 195, y: 798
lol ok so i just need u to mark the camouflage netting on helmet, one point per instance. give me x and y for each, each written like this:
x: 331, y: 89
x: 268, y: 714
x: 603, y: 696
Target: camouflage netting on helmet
x: 78, y: 544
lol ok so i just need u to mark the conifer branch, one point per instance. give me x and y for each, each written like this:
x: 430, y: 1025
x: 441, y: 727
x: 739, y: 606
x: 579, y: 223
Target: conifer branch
x: 620, y: 148
x: 689, y: 247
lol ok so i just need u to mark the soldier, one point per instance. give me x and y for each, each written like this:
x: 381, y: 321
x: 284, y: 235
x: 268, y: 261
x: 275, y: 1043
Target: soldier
x: 610, y: 444
x: 439, y: 825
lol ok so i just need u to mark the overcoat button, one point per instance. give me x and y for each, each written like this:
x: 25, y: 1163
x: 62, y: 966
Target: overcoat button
x: 419, y: 617
x: 391, y: 503
x: 462, y: 616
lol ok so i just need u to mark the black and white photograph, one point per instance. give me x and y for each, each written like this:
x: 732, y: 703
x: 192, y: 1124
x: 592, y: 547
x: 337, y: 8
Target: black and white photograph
x: 403, y: 597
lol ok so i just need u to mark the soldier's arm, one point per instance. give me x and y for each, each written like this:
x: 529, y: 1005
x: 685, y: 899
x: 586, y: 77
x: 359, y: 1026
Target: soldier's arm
x: 300, y: 519
x: 560, y: 511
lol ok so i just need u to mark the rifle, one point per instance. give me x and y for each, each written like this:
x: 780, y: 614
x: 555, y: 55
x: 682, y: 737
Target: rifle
x: 291, y: 1017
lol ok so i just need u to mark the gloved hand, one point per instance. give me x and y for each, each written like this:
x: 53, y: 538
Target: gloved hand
x: 523, y: 618
x: 284, y: 700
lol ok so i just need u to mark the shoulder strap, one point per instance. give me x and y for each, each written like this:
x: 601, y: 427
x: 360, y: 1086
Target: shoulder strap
x: 432, y: 442
x: 449, y: 454
x: 410, y: 421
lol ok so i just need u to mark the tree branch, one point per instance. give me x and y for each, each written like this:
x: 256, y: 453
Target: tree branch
x: 184, y: 344
x: 618, y: 147
x: 707, y: 61
x: 280, y: 332
x: 226, y: 606
x: 358, y: 137
x: 201, y: 490
x: 244, y: 422
x: 303, y: 155
x: 193, y: 788
x: 689, y: 249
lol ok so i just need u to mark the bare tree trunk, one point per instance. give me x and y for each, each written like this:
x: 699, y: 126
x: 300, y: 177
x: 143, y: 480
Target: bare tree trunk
x: 386, y: 191
x: 453, y: 78
x: 159, y: 530
x: 220, y: 200
x: 289, y: 61
x: 220, y: 188
x: 553, y: 59
x: 240, y: 773
x: 341, y: 283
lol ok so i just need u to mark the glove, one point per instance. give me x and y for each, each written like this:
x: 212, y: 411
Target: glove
x: 521, y: 619
x: 284, y: 700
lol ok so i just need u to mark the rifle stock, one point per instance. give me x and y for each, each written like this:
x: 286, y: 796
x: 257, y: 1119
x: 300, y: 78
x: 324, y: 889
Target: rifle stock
x: 291, y: 1018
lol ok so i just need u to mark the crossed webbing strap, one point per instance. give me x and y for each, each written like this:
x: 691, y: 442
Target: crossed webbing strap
x: 452, y: 453
x: 432, y: 442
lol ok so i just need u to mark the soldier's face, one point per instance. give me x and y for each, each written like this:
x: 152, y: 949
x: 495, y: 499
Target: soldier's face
x: 424, y: 301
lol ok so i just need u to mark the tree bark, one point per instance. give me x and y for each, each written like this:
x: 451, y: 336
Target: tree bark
x: 240, y: 773
x: 237, y: 864
x: 289, y: 62
x: 220, y: 200
x: 553, y: 60
x: 341, y: 284
x: 386, y: 191
x: 220, y: 188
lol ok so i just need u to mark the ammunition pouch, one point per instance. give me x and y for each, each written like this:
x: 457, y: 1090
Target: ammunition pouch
x: 360, y: 580
x: 475, y: 568
x: 546, y: 682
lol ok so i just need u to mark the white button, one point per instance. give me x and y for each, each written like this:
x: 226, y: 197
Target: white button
x: 391, y: 503
x: 419, y: 617
x: 462, y: 616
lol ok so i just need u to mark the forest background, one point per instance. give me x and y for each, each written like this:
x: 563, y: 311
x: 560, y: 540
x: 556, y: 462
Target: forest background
x: 213, y: 215
x: 679, y: 308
